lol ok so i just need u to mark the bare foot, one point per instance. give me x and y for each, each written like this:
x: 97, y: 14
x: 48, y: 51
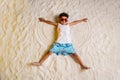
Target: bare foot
x: 84, y: 67
x: 36, y: 64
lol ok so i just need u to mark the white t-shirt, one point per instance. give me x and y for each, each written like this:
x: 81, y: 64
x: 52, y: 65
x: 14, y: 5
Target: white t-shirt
x: 63, y: 34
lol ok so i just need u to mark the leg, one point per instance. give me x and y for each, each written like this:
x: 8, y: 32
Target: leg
x: 78, y: 60
x: 42, y: 60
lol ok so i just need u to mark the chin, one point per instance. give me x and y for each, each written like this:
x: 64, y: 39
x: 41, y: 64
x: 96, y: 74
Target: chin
x: 64, y: 23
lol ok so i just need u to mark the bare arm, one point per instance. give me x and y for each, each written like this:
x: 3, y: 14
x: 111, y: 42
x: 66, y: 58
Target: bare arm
x: 47, y: 21
x: 78, y: 21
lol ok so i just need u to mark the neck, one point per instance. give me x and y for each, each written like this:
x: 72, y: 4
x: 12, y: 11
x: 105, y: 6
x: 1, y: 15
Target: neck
x: 64, y: 24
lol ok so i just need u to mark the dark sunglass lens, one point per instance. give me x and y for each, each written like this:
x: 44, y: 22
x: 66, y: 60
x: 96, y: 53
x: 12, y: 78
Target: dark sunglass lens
x: 62, y: 19
x: 65, y: 19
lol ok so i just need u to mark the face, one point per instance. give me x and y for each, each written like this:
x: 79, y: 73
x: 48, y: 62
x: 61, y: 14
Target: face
x: 63, y: 20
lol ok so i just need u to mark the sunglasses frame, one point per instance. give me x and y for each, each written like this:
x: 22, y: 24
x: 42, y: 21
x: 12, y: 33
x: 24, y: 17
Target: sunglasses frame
x: 64, y: 20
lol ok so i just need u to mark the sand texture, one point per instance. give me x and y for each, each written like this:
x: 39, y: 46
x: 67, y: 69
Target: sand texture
x: 23, y: 39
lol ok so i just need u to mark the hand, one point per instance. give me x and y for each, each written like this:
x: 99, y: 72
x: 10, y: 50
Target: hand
x: 85, y: 19
x: 41, y: 19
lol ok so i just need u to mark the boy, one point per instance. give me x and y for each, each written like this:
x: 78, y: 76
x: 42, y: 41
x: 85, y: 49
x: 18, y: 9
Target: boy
x: 63, y: 44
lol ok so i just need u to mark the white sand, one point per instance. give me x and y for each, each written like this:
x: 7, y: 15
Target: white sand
x: 23, y: 39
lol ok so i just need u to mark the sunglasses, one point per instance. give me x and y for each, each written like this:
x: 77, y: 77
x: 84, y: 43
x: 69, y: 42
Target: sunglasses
x: 64, y: 20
